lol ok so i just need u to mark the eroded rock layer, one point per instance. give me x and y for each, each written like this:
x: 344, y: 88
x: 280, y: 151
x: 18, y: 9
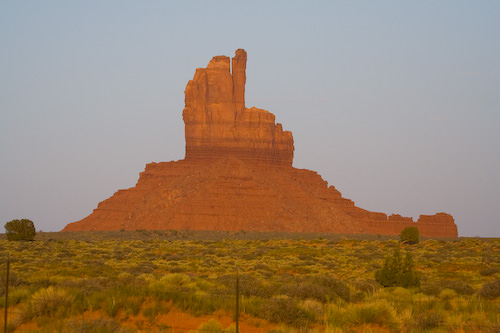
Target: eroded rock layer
x: 238, y: 175
x: 218, y: 124
x: 231, y: 194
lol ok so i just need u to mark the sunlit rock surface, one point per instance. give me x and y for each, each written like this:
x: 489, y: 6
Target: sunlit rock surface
x: 237, y: 175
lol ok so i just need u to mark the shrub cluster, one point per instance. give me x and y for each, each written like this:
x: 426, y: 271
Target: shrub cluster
x: 58, y: 284
x: 398, y: 272
x: 20, y: 230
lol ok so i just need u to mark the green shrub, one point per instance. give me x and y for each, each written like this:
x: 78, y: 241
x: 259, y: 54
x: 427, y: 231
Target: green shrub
x: 20, y: 230
x: 397, y: 272
x: 410, y: 235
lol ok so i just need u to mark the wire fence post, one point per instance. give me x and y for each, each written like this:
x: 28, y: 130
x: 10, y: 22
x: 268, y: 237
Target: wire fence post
x: 237, y: 301
x: 6, y: 293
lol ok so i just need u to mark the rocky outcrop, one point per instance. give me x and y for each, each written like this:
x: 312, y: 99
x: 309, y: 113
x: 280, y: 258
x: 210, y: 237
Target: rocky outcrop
x: 238, y: 175
x: 218, y: 124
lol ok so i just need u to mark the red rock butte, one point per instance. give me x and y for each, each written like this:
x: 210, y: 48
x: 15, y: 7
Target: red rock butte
x: 238, y: 175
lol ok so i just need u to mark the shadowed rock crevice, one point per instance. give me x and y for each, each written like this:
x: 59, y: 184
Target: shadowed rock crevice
x: 237, y: 175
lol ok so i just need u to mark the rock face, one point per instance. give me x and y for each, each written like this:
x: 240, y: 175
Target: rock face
x: 218, y: 124
x: 238, y: 175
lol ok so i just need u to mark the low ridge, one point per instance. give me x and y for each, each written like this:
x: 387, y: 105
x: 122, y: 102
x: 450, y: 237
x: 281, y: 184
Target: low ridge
x: 238, y: 175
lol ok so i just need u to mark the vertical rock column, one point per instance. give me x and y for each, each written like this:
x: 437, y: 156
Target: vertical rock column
x: 239, y: 79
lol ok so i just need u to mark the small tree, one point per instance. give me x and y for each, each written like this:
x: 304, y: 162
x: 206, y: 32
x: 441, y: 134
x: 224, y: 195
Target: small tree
x: 410, y: 235
x: 398, y: 272
x: 20, y: 230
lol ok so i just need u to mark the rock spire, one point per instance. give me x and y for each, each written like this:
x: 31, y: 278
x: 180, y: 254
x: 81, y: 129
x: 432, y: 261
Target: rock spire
x: 218, y: 124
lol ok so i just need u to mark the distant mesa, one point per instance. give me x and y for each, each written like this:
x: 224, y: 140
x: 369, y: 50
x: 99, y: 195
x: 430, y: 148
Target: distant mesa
x: 238, y: 175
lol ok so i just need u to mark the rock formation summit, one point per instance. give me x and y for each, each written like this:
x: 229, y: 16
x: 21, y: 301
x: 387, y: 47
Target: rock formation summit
x: 238, y: 175
x: 219, y: 125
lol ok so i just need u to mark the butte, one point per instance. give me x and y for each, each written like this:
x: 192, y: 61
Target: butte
x: 238, y: 175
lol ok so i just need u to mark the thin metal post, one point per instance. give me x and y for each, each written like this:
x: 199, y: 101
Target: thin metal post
x: 6, y: 293
x: 237, y: 301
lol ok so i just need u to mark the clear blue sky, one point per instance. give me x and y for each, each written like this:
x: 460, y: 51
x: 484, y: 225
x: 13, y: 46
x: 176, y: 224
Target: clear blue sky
x: 395, y: 103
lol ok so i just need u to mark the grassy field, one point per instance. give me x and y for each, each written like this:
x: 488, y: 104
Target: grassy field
x: 182, y: 281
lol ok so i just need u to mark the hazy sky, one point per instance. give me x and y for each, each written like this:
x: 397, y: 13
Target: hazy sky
x: 395, y: 103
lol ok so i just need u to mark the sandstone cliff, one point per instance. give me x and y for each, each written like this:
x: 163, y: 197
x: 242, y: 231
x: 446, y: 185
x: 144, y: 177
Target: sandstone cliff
x: 238, y: 175
x: 218, y: 124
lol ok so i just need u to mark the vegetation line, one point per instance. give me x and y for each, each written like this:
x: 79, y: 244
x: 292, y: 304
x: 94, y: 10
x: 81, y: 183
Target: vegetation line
x: 209, y: 282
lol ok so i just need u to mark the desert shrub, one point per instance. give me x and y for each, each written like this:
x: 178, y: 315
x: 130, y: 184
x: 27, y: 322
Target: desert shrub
x: 252, y: 305
x: 335, y: 286
x: 20, y: 230
x: 175, y: 281
x: 17, y: 295
x: 47, y: 302
x: 398, y: 296
x: 447, y: 294
x: 367, y: 286
x: 429, y: 320
x: 98, y: 325
x: 155, y: 309
x: 262, y: 267
x: 398, y: 272
x: 203, y: 304
x: 377, y: 313
x: 313, y: 308
x: 142, y: 268
x: 491, y: 290
x: 455, y: 322
x: 431, y: 288
x: 14, y: 280
x: 478, y: 322
x: 435, y: 287
x: 410, y: 235
x: 230, y: 329
x: 211, y: 326
x: 320, y: 287
x: 285, y: 310
x: 460, y: 286
x: 133, y: 305
x: 114, y: 300
x: 248, y: 284
x: 112, y: 305
x: 488, y: 271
